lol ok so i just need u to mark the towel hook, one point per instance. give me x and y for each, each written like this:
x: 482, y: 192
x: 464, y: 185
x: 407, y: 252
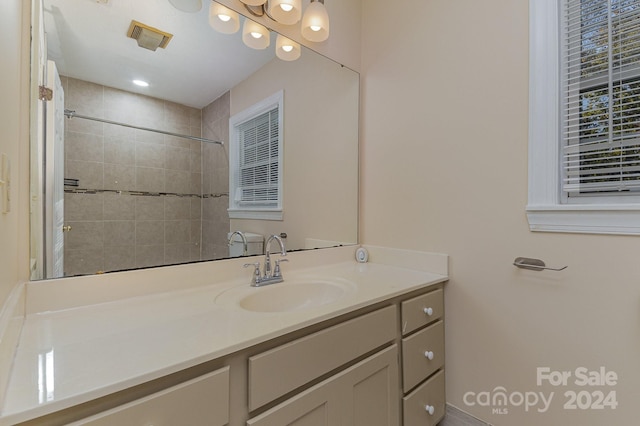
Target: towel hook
x: 534, y: 264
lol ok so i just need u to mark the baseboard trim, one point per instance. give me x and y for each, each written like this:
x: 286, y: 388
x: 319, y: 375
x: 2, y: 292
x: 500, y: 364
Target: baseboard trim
x: 456, y: 417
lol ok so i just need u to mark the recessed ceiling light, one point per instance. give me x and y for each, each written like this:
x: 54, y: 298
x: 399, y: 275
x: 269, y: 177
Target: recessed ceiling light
x: 140, y: 83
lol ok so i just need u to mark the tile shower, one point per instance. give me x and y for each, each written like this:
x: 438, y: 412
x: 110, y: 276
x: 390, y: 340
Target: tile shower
x: 143, y: 199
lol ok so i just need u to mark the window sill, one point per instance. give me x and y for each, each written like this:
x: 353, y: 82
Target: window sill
x: 586, y: 219
x: 266, y: 214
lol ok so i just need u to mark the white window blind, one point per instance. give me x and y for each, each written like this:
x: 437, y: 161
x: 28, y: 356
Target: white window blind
x: 259, y: 173
x: 600, y: 97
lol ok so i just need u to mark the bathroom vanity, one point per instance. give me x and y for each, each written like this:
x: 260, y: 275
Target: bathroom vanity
x: 368, y: 352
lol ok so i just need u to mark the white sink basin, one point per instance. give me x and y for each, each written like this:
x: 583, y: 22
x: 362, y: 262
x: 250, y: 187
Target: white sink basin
x: 288, y: 296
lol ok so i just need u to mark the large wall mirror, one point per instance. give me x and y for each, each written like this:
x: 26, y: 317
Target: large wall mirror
x: 126, y: 176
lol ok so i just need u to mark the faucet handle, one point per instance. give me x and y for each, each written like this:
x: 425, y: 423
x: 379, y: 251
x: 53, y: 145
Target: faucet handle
x: 256, y: 272
x: 276, y: 269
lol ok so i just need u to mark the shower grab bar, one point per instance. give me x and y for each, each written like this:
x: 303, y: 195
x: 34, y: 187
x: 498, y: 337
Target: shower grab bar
x: 534, y: 264
x: 72, y: 114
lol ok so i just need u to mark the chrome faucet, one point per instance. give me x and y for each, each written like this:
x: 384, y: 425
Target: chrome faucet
x: 244, y: 241
x: 268, y: 278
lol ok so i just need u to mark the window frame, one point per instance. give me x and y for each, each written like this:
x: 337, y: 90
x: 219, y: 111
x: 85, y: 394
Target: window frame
x: 236, y: 209
x: 547, y: 208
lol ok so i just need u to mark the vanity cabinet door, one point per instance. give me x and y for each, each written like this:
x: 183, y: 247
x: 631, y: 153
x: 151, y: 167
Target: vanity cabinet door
x: 365, y: 394
x: 203, y: 401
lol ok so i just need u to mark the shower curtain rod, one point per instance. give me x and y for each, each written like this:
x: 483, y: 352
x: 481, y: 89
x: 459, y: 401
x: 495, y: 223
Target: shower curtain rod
x: 71, y: 114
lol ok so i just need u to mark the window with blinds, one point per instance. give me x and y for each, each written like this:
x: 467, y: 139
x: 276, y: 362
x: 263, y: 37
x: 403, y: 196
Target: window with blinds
x: 259, y: 172
x: 255, y: 178
x: 600, y: 97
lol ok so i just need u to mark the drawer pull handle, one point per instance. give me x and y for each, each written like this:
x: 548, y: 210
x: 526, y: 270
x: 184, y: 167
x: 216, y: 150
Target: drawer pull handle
x: 429, y: 355
x: 430, y: 409
x: 428, y: 311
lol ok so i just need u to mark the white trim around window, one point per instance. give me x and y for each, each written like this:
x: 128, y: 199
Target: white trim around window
x: 546, y: 211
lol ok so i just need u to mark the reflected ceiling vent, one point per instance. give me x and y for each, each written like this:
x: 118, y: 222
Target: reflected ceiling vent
x: 148, y: 37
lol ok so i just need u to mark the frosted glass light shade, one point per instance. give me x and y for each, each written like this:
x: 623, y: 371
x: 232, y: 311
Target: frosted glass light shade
x: 189, y: 6
x: 315, y: 22
x: 254, y: 35
x: 287, y: 12
x: 287, y: 50
x: 223, y: 19
x: 254, y: 2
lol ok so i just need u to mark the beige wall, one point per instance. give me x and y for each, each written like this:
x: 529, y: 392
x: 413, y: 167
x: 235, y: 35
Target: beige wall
x: 320, y: 112
x: 445, y: 169
x: 14, y: 142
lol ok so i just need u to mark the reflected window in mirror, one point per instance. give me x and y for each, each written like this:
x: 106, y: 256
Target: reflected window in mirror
x: 255, y: 178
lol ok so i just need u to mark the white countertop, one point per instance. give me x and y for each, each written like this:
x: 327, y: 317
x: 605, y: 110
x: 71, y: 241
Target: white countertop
x: 74, y: 355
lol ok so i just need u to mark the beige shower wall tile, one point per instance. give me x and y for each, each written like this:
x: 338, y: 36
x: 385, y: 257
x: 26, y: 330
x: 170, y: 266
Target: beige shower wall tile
x: 119, y: 233
x: 150, y: 179
x: 119, y: 177
x: 83, y: 207
x: 195, y: 117
x: 149, y: 208
x: 119, y: 206
x: 115, y: 131
x: 196, y: 232
x: 83, y: 146
x: 152, y: 122
x: 84, y: 95
x: 119, y: 150
x: 89, y: 174
x: 177, y: 115
x: 178, y: 158
x: 84, y: 261
x: 149, y: 255
x: 149, y: 232
x: 149, y: 107
x: 177, y: 231
x: 178, y: 182
x: 196, y: 183
x: 196, y: 208
x: 150, y: 155
x: 120, y: 258
x: 84, y: 235
x: 81, y: 125
x: 150, y: 137
x: 118, y: 101
x: 176, y: 208
x: 195, y: 159
x: 177, y: 253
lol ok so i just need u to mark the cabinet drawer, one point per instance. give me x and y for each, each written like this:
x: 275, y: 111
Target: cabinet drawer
x: 201, y: 401
x: 413, y: 310
x: 422, y: 354
x: 416, y: 405
x: 285, y: 368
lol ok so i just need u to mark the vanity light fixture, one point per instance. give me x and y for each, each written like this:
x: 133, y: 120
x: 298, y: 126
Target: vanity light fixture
x: 315, y: 21
x: 287, y: 50
x: 223, y: 19
x: 141, y: 83
x: 287, y: 12
x: 254, y: 35
x: 189, y: 6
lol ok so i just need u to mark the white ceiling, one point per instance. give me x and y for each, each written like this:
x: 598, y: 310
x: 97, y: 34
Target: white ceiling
x: 88, y: 40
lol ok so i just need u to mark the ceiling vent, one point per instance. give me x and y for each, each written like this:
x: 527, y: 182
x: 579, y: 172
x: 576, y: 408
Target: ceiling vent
x: 148, y: 37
